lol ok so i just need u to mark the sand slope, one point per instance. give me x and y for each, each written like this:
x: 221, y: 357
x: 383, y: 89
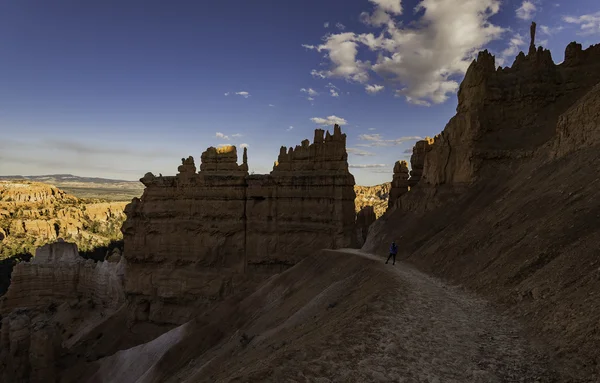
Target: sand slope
x: 338, y: 316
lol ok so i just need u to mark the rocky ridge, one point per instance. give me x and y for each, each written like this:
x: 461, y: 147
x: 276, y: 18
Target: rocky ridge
x: 197, y: 237
x: 505, y: 202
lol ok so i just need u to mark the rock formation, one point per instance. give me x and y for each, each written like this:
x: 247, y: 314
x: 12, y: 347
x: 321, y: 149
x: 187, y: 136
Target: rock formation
x: 58, y: 273
x: 507, y: 200
x: 529, y: 97
x: 46, y: 309
x: 195, y: 238
x: 376, y: 196
x: 400, y: 182
x: 364, y: 218
x: 33, y: 214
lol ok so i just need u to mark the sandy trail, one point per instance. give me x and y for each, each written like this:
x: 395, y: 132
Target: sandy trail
x: 429, y: 332
x: 342, y: 316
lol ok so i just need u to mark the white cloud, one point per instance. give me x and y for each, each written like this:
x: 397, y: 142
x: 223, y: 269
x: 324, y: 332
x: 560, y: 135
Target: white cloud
x: 331, y: 120
x: 371, y: 129
x: 236, y: 135
x: 372, y: 89
x: 368, y: 166
x: 333, y: 90
x: 221, y: 135
x: 546, y: 30
x: 359, y: 152
x: 243, y: 145
x: 588, y: 24
x: 340, y: 26
x: 227, y: 94
x: 307, y: 46
x: 422, y: 57
x: 290, y: 128
x: 526, y: 10
x: 390, y: 6
x: 271, y: 105
x: 317, y: 74
x: 310, y: 91
x: 310, y: 98
x: 326, y: 25
x: 243, y: 94
x: 376, y: 140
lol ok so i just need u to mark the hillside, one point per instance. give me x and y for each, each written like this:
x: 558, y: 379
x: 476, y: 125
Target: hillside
x: 507, y: 201
x: 333, y: 316
x: 88, y: 187
x: 34, y: 213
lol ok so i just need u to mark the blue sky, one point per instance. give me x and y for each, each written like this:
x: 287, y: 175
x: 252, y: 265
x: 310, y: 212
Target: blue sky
x: 119, y: 88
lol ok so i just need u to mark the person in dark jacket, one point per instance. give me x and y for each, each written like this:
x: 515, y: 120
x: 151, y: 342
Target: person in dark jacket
x: 393, y: 252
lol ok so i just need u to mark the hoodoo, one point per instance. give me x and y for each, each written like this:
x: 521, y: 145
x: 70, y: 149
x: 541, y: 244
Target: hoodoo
x: 195, y: 238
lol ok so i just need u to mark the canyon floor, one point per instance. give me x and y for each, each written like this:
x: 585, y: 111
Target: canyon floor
x: 339, y: 316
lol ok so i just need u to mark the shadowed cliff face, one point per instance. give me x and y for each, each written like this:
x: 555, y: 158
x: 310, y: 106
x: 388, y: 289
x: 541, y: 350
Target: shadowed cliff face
x: 507, y: 203
x: 195, y: 238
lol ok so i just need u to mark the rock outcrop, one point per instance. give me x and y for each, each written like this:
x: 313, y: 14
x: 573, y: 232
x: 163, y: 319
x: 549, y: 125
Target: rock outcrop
x: 507, y: 200
x: 33, y: 214
x: 507, y: 113
x: 364, y: 219
x: 376, y: 196
x: 47, y: 303
x: 195, y: 238
x: 57, y: 273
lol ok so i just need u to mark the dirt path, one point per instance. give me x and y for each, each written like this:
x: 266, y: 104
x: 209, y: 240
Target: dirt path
x: 429, y: 332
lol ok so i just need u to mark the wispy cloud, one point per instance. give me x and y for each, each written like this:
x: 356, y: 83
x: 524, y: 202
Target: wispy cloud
x: 526, y: 10
x: 271, y: 105
x: 372, y: 89
x: 367, y: 166
x: 226, y: 93
x: 236, y: 135
x: 221, y: 135
x: 371, y: 129
x: 326, y: 24
x: 376, y: 140
x: 333, y: 90
x: 359, y: 152
x: 310, y: 91
x: 331, y: 120
x: 340, y: 26
x: 290, y: 128
x: 588, y: 24
x: 243, y: 94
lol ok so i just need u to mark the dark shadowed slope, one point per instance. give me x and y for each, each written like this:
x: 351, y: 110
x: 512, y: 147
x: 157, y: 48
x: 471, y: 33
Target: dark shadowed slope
x: 338, y: 316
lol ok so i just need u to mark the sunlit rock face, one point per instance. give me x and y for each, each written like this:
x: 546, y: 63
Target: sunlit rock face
x: 196, y: 238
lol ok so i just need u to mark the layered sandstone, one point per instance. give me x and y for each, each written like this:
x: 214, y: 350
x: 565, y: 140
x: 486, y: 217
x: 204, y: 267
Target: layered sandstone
x: 507, y: 113
x: 376, y: 196
x: 47, y: 308
x: 195, y: 238
x: 33, y: 214
x: 58, y: 273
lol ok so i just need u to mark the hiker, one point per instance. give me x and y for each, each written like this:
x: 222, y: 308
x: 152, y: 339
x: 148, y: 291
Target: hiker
x: 393, y: 252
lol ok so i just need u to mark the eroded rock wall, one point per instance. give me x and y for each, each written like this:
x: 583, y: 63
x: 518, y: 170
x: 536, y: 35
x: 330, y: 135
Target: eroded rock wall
x: 48, y: 300
x: 504, y: 116
x: 195, y: 238
x: 57, y: 274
